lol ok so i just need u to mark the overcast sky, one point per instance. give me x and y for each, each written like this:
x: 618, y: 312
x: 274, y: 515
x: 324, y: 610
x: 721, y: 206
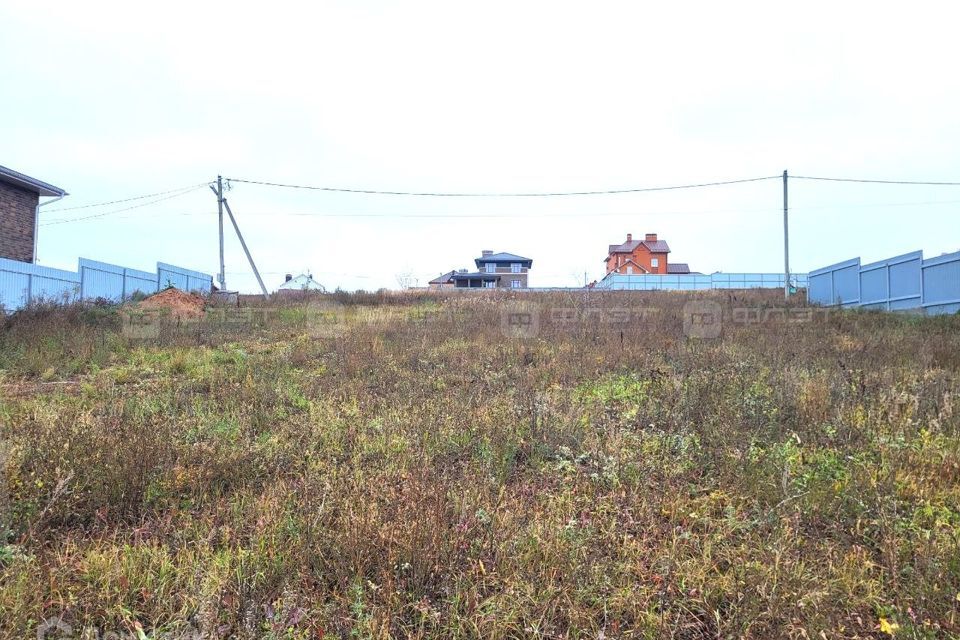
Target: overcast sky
x: 113, y: 100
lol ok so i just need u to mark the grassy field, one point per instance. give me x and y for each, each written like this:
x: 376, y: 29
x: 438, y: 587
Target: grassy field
x: 410, y: 466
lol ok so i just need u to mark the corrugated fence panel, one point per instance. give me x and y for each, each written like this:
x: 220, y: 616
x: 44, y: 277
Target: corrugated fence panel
x: 901, y: 283
x: 185, y: 279
x: 101, y: 280
x: 139, y: 282
x: 846, y: 285
x: 14, y: 289
x: 891, y: 284
x: 873, y: 287
x: 820, y: 290
x: 837, y: 284
x: 941, y: 284
x: 113, y: 282
x: 24, y: 282
x: 697, y: 282
x: 905, y: 281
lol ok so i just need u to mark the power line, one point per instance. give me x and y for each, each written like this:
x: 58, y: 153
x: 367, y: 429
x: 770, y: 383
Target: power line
x: 523, y: 216
x: 500, y: 195
x: 110, y: 213
x: 907, y: 182
x: 103, y: 204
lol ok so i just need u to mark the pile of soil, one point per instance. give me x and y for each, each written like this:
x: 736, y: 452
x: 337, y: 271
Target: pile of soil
x: 179, y: 304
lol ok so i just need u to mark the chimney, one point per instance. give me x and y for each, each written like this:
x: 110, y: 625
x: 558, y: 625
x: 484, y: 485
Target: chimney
x: 629, y: 237
x: 651, y: 237
x: 485, y: 253
x: 289, y: 278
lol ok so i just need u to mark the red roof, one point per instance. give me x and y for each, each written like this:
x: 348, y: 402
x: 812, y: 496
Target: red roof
x: 660, y: 246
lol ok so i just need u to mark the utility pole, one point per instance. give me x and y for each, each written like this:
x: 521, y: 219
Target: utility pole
x: 786, y: 242
x: 245, y: 250
x: 221, y: 204
x: 223, y: 274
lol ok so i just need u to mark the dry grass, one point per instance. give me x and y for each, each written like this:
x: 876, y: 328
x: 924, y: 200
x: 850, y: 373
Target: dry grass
x: 403, y: 469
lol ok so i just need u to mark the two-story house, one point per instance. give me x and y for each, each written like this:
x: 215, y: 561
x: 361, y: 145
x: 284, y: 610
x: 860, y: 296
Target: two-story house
x: 496, y: 271
x: 638, y: 257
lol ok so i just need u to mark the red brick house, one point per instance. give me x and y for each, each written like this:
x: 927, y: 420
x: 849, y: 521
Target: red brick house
x: 19, y: 207
x: 639, y: 257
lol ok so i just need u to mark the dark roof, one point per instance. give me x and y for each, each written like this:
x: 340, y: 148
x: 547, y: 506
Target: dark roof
x: 678, y: 267
x: 445, y: 278
x: 477, y: 275
x: 660, y: 246
x: 23, y: 181
x: 503, y: 257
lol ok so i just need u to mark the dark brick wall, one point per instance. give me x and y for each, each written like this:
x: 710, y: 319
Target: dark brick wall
x: 18, y: 209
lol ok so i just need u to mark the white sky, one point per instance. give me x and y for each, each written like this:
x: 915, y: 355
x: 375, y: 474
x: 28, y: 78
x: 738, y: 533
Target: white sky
x: 112, y: 100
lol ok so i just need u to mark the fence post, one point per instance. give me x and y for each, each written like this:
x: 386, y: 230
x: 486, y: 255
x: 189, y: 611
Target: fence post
x: 887, y: 270
x: 923, y: 297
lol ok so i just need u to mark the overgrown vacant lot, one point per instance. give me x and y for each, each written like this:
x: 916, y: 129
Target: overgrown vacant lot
x: 415, y: 466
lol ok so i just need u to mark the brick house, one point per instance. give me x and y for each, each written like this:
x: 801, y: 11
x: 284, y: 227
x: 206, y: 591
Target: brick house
x: 495, y: 271
x: 639, y: 257
x: 19, y: 207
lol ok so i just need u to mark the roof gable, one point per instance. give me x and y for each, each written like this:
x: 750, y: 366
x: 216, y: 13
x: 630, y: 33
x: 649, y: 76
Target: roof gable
x: 639, y: 266
x: 302, y: 282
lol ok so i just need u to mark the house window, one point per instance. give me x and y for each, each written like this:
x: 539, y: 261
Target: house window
x: 491, y: 267
x: 514, y: 284
x: 654, y: 262
x: 515, y: 267
x: 629, y: 271
x: 490, y: 284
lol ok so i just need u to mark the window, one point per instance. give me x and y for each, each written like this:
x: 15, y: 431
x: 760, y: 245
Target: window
x: 491, y: 267
x: 515, y: 267
x: 490, y: 284
x: 654, y: 262
x: 629, y: 271
x: 514, y: 284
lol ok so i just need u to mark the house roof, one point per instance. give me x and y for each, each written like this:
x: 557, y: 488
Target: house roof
x: 660, y: 246
x: 302, y: 282
x: 503, y: 257
x: 23, y: 181
x: 445, y: 278
x: 678, y: 267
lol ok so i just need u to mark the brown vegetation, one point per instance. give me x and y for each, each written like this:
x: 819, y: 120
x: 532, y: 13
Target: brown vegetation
x: 413, y: 466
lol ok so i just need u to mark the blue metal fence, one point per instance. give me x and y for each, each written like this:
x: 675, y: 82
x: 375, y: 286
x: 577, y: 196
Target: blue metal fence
x: 940, y: 283
x: 22, y: 282
x: 695, y: 282
x: 905, y: 282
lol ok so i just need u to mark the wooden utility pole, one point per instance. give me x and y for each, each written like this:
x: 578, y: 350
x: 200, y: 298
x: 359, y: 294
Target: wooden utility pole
x: 786, y: 242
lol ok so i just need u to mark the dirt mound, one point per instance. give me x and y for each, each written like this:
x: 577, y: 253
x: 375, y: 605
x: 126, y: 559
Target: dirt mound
x: 179, y: 304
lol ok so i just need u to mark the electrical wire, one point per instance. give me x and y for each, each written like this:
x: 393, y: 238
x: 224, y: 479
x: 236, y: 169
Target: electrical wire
x: 523, y: 216
x: 500, y: 195
x: 905, y: 182
x: 110, y: 213
x: 103, y: 204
